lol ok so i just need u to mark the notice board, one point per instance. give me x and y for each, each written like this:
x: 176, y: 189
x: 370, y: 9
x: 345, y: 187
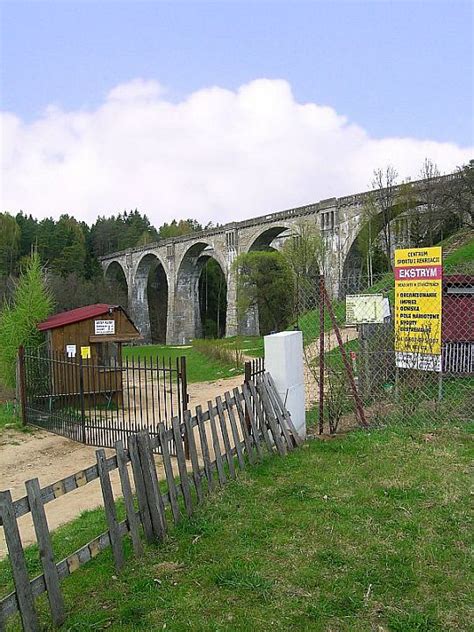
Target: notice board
x: 418, y: 305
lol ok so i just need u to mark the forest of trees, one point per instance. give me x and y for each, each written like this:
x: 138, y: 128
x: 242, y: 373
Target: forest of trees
x: 69, y: 250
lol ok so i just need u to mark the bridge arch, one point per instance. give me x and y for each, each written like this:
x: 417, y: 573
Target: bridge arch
x: 150, y: 297
x: 197, y: 264
x: 116, y: 279
x: 262, y: 239
x: 355, y: 270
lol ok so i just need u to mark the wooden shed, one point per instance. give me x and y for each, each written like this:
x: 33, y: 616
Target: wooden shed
x: 85, y: 345
x: 458, y: 323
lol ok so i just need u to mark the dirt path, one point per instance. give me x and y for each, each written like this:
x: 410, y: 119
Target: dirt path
x: 51, y: 457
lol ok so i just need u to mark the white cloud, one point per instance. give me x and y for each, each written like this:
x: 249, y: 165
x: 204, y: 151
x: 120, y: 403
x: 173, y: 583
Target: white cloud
x: 218, y: 155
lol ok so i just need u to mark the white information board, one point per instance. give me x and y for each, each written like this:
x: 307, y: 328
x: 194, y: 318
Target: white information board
x: 71, y: 351
x: 104, y: 327
x: 362, y: 309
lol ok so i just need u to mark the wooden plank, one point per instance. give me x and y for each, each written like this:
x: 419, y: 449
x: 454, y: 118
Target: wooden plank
x: 43, y: 538
x: 153, y: 494
x: 243, y: 425
x: 261, y: 416
x: 235, y: 433
x: 193, y: 454
x: 140, y: 488
x: 280, y: 420
x: 183, y: 472
x: 205, y: 449
x: 128, y: 497
x: 251, y: 419
x: 225, y: 436
x: 24, y: 593
x: 298, y: 440
x: 272, y: 422
x: 110, y: 509
x: 215, y: 443
x: 165, y: 453
x: 156, y: 482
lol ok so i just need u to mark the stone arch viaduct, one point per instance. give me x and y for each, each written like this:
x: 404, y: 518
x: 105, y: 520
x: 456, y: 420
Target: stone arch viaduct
x: 178, y: 262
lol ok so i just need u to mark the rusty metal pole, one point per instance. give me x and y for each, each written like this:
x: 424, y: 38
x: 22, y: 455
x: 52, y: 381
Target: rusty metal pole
x: 22, y: 384
x: 184, y: 402
x: 347, y: 366
x: 321, y: 354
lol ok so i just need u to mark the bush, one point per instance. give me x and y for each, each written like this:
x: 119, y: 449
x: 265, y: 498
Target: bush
x: 266, y: 283
x: 226, y: 355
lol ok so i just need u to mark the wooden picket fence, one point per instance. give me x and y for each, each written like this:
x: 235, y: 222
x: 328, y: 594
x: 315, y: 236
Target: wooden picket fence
x: 252, y: 420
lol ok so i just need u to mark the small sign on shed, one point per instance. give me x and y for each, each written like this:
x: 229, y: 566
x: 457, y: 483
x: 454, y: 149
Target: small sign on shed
x: 363, y: 309
x: 104, y: 327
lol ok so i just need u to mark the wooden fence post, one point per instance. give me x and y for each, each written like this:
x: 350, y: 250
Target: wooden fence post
x: 140, y: 488
x: 204, y: 449
x: 215, y: 444
x: 153, y: 493
x: 43, y: 537
x: 193, y: 454
x: 183, y: 472
x: 110, y: 509
x: 24, y: 595
x: 128, y: 497
x: 225, y: 436
x: 235, y: 432
x: 172, y: 492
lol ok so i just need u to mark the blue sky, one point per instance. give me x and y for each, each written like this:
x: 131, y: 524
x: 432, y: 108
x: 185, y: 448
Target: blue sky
x: 399, y: 68
x: 396, y: 69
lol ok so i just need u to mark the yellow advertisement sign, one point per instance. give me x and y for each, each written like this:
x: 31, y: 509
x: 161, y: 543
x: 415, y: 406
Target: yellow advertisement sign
x: 85, y: 353
x: 418, y: 297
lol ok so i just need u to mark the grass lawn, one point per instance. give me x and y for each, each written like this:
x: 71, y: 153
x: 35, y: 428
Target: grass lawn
x: 462, y: 255
x: 200, y: 368
x: 368, y: 531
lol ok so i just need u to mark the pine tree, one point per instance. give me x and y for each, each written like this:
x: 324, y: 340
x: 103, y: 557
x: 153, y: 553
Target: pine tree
x: 31, y: 303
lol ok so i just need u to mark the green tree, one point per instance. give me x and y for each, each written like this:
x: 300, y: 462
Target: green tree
x: 265, y: 282
x: 306, y: 255
x: 70, y: 247
x: 213, y: 299
x: 28, y: 233
x: 9, y: 243
x: 384, y: 193
x: 31, y: 303
x: 177, y: 229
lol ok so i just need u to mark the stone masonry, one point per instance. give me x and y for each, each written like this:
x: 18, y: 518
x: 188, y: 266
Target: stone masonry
x: 182, y: 259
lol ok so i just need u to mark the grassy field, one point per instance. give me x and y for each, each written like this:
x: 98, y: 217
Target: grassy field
x: 370, y: 531
x: 199, y: 367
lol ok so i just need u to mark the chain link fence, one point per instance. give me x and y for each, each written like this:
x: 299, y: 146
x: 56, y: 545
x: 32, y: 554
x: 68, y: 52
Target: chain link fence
x: 358, y: 367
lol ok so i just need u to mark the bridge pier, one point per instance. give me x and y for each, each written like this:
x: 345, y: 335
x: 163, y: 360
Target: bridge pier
x: 138, y: 304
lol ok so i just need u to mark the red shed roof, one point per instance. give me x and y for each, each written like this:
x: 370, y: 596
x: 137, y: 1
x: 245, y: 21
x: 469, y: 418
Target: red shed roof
x: 75, y: 316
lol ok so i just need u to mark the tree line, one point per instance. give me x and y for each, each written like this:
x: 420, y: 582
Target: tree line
x: 70, y: 249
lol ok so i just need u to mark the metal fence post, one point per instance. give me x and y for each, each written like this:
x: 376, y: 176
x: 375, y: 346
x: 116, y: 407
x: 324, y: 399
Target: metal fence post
x: 22, y: 384
x: 81, y: 397
x: 184, y: 401
x: 321, y: 354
